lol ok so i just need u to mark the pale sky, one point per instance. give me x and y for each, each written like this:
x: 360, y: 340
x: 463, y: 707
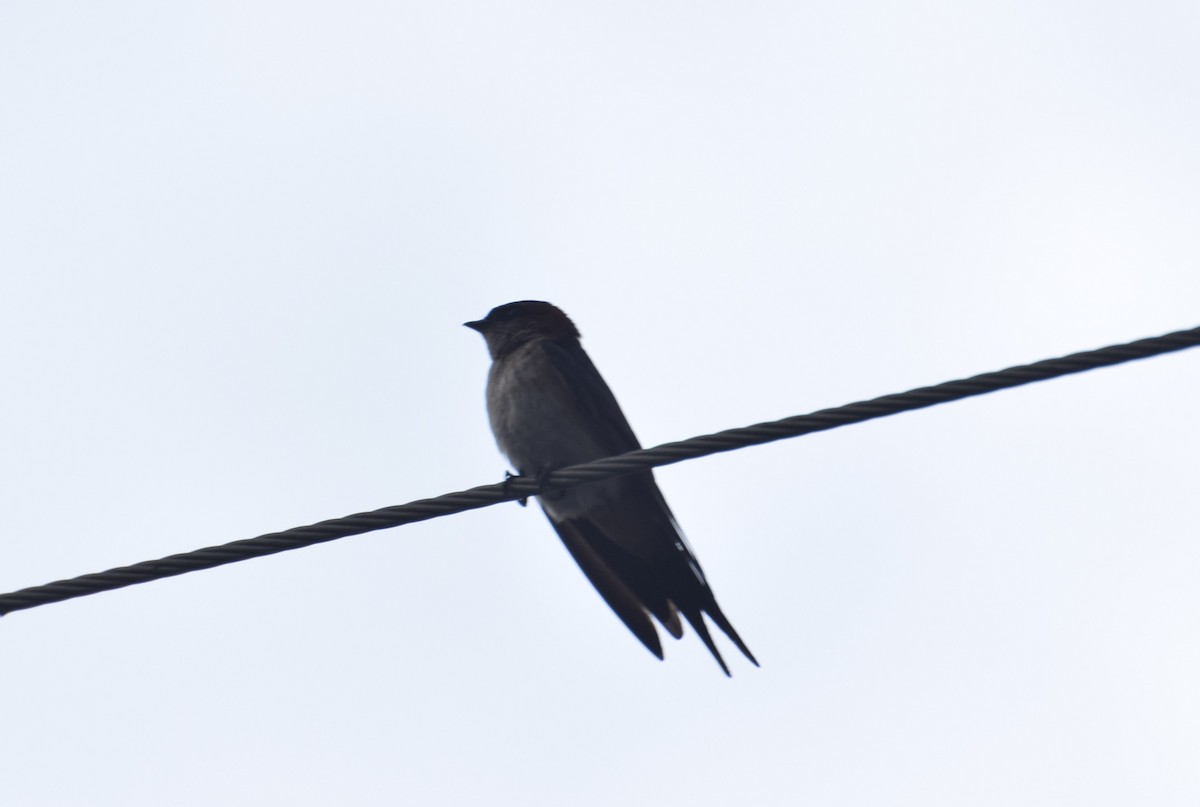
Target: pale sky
x: 238, y: 241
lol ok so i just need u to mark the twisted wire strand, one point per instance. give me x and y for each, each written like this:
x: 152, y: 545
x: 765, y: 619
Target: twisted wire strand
x: 521, y: 487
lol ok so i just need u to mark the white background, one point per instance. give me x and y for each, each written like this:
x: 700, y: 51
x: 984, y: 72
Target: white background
x: 237, y: 241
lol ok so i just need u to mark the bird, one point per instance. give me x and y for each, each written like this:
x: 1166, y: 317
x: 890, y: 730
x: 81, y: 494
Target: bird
x: 548, y: 408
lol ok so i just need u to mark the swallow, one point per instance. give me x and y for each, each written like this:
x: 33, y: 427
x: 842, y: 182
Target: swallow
x: 549, y: 408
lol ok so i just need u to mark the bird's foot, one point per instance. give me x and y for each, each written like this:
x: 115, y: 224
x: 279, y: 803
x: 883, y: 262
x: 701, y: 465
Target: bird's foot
x: 524, y: 500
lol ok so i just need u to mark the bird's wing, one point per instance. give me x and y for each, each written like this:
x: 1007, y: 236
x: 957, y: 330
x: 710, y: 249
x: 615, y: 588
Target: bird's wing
x: 633, y: 552
x: 592, y: 396
x: 624, y: 602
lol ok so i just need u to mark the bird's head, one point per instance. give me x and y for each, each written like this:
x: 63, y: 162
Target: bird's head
x: 509, y: 326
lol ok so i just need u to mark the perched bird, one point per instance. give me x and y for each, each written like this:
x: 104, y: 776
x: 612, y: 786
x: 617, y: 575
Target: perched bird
x: 549, y: 408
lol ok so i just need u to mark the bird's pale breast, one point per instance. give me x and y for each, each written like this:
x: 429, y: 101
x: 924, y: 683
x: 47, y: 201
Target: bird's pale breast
x: 537, y: 421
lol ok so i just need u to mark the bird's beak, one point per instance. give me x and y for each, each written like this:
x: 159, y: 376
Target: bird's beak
x: 477, y: 325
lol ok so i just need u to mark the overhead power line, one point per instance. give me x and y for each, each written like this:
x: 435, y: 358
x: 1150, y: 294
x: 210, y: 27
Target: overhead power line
x: 523, y: 486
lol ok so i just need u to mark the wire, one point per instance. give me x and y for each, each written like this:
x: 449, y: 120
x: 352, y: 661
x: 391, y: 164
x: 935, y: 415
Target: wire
x: 521, y: 487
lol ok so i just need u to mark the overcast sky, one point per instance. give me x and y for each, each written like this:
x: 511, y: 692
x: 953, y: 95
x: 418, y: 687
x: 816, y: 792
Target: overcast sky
x: 237, y: 244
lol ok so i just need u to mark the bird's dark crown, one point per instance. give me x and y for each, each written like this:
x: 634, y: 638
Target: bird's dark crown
x: 508, y: 326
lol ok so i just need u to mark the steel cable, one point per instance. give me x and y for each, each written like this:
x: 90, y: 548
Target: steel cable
x: 632, y: 462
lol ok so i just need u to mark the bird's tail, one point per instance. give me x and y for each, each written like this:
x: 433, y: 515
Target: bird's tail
x: 695, y: 618
x: 714, y: 612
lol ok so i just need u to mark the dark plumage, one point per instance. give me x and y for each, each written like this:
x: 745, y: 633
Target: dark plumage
x: 550, y: 408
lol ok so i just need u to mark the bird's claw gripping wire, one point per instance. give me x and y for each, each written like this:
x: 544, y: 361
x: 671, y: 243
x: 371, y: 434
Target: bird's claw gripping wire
x: 508, y: 476
x: 541, y: 478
